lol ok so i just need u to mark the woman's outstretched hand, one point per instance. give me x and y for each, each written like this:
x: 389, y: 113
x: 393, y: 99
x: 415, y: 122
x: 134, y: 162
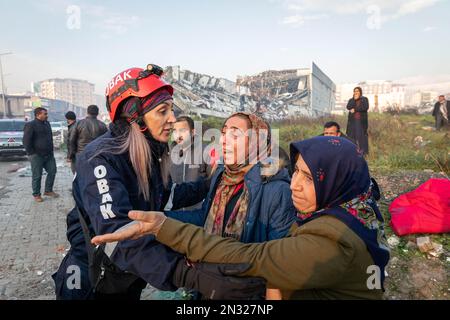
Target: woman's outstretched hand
x: 145, y: 223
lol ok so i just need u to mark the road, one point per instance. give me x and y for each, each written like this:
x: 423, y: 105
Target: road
x: 32, y: 235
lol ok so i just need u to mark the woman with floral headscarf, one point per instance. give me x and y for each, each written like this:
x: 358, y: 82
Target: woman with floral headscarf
x: 249, y: 198
x: 336, y: 249
x: 246, y: 200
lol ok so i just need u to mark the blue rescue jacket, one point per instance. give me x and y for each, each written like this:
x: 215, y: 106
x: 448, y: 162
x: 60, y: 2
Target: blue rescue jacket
x: 105, y: 188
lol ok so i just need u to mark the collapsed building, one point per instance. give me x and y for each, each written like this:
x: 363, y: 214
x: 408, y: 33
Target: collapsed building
x: 275, y: 95
x: 201, y: 94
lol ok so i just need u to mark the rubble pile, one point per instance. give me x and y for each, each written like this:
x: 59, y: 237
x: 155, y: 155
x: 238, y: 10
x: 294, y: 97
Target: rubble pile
x: 275, y: 95
x: 202, y: 94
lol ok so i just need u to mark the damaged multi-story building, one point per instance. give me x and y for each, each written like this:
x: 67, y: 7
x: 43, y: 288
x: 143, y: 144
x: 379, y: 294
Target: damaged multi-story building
x: 201, y: 94
x: 276, y: 95
x: 287, y: 93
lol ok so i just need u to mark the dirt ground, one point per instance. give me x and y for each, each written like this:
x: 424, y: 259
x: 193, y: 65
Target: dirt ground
x: 411, y: 273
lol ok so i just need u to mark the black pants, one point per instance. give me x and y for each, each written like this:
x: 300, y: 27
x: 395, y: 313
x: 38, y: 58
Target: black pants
x: 72, y: 282
x: 441, y: 122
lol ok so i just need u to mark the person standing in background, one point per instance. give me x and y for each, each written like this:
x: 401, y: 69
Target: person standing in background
x: 183, y: 167
x: 358, y: 122
x: 71, y: 120
x: 85, y: 131
x: 441, y: 112
x: 38, y: 142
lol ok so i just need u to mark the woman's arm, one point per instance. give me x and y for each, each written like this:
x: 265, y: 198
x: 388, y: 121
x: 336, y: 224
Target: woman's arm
x: 186, y: 194
x: 301, y: 262
x: 351, y: 104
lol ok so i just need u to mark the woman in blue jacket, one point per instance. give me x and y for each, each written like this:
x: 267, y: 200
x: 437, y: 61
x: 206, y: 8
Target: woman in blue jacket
x: 248, y: 200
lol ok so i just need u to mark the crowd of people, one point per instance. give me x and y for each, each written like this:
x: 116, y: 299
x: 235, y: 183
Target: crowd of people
x: 225, y: 227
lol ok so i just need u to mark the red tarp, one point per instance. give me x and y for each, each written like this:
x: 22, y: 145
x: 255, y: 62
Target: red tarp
x: 424, y: 210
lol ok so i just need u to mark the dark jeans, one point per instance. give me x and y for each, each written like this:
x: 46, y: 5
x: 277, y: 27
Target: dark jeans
x: 37, y: 164
x: 440, y: 121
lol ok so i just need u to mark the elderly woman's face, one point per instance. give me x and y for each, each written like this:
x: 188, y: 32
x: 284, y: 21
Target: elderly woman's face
x: 302, y: 186
x: 235, y: 141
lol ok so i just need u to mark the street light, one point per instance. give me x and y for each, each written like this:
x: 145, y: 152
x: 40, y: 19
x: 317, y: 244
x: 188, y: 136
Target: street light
x: 3, y: 83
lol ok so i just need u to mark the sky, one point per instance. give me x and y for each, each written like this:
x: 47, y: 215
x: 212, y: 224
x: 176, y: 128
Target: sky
x: 349, y: 40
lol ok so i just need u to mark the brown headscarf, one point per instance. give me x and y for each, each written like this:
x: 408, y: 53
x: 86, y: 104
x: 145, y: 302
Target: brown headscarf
x: 233, y: 178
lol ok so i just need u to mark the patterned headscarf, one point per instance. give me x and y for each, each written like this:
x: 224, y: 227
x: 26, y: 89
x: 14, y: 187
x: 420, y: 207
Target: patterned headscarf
x: 233, y: 181
x: 344, y: 190
x: 135, y: 108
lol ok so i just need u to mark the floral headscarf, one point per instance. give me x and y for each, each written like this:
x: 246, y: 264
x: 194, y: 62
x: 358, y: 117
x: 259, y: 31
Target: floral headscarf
x: 233, y: 181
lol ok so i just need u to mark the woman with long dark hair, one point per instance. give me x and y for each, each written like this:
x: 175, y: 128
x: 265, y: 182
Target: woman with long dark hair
x: 358, y: 122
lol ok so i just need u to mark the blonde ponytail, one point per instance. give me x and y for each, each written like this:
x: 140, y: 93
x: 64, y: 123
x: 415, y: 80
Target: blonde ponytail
x: 140, y: 157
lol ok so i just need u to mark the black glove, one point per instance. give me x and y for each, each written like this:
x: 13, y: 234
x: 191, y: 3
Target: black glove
x: 219, y: 281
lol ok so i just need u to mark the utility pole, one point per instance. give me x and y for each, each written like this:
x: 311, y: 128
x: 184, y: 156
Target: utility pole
x: 3, y: 83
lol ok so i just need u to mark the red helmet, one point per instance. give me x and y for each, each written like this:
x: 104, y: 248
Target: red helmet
x: 134, y: 82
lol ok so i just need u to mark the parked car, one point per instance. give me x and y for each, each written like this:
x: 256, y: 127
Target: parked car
x: 11, y: 137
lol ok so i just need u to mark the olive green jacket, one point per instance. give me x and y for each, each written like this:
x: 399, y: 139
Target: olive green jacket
x: 322, y: 259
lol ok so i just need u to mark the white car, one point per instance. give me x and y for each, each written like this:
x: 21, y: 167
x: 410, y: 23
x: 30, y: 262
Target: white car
x: 11, y: 137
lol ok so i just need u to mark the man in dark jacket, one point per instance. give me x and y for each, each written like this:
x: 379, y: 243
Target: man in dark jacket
x: 85, y: 131
x: 71, y: 120
x: 332, y: 128
x: 184, y: 167
x: 38, y: 142
x: 441, y: 112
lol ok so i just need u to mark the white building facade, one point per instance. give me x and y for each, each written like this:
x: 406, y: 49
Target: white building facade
x: 383, y: 95
x: 77, y: 92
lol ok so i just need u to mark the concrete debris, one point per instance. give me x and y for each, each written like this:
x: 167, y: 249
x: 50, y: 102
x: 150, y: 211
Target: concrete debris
x: 424, y: 244
x: 432, y: 249
x: 287, y: 93
x: 438, y: 249
x: 393, y: 241
x: 275, y: 95
x: 201, y: 94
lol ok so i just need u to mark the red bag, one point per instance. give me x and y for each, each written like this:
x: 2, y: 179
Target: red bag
x: 424, y: 210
